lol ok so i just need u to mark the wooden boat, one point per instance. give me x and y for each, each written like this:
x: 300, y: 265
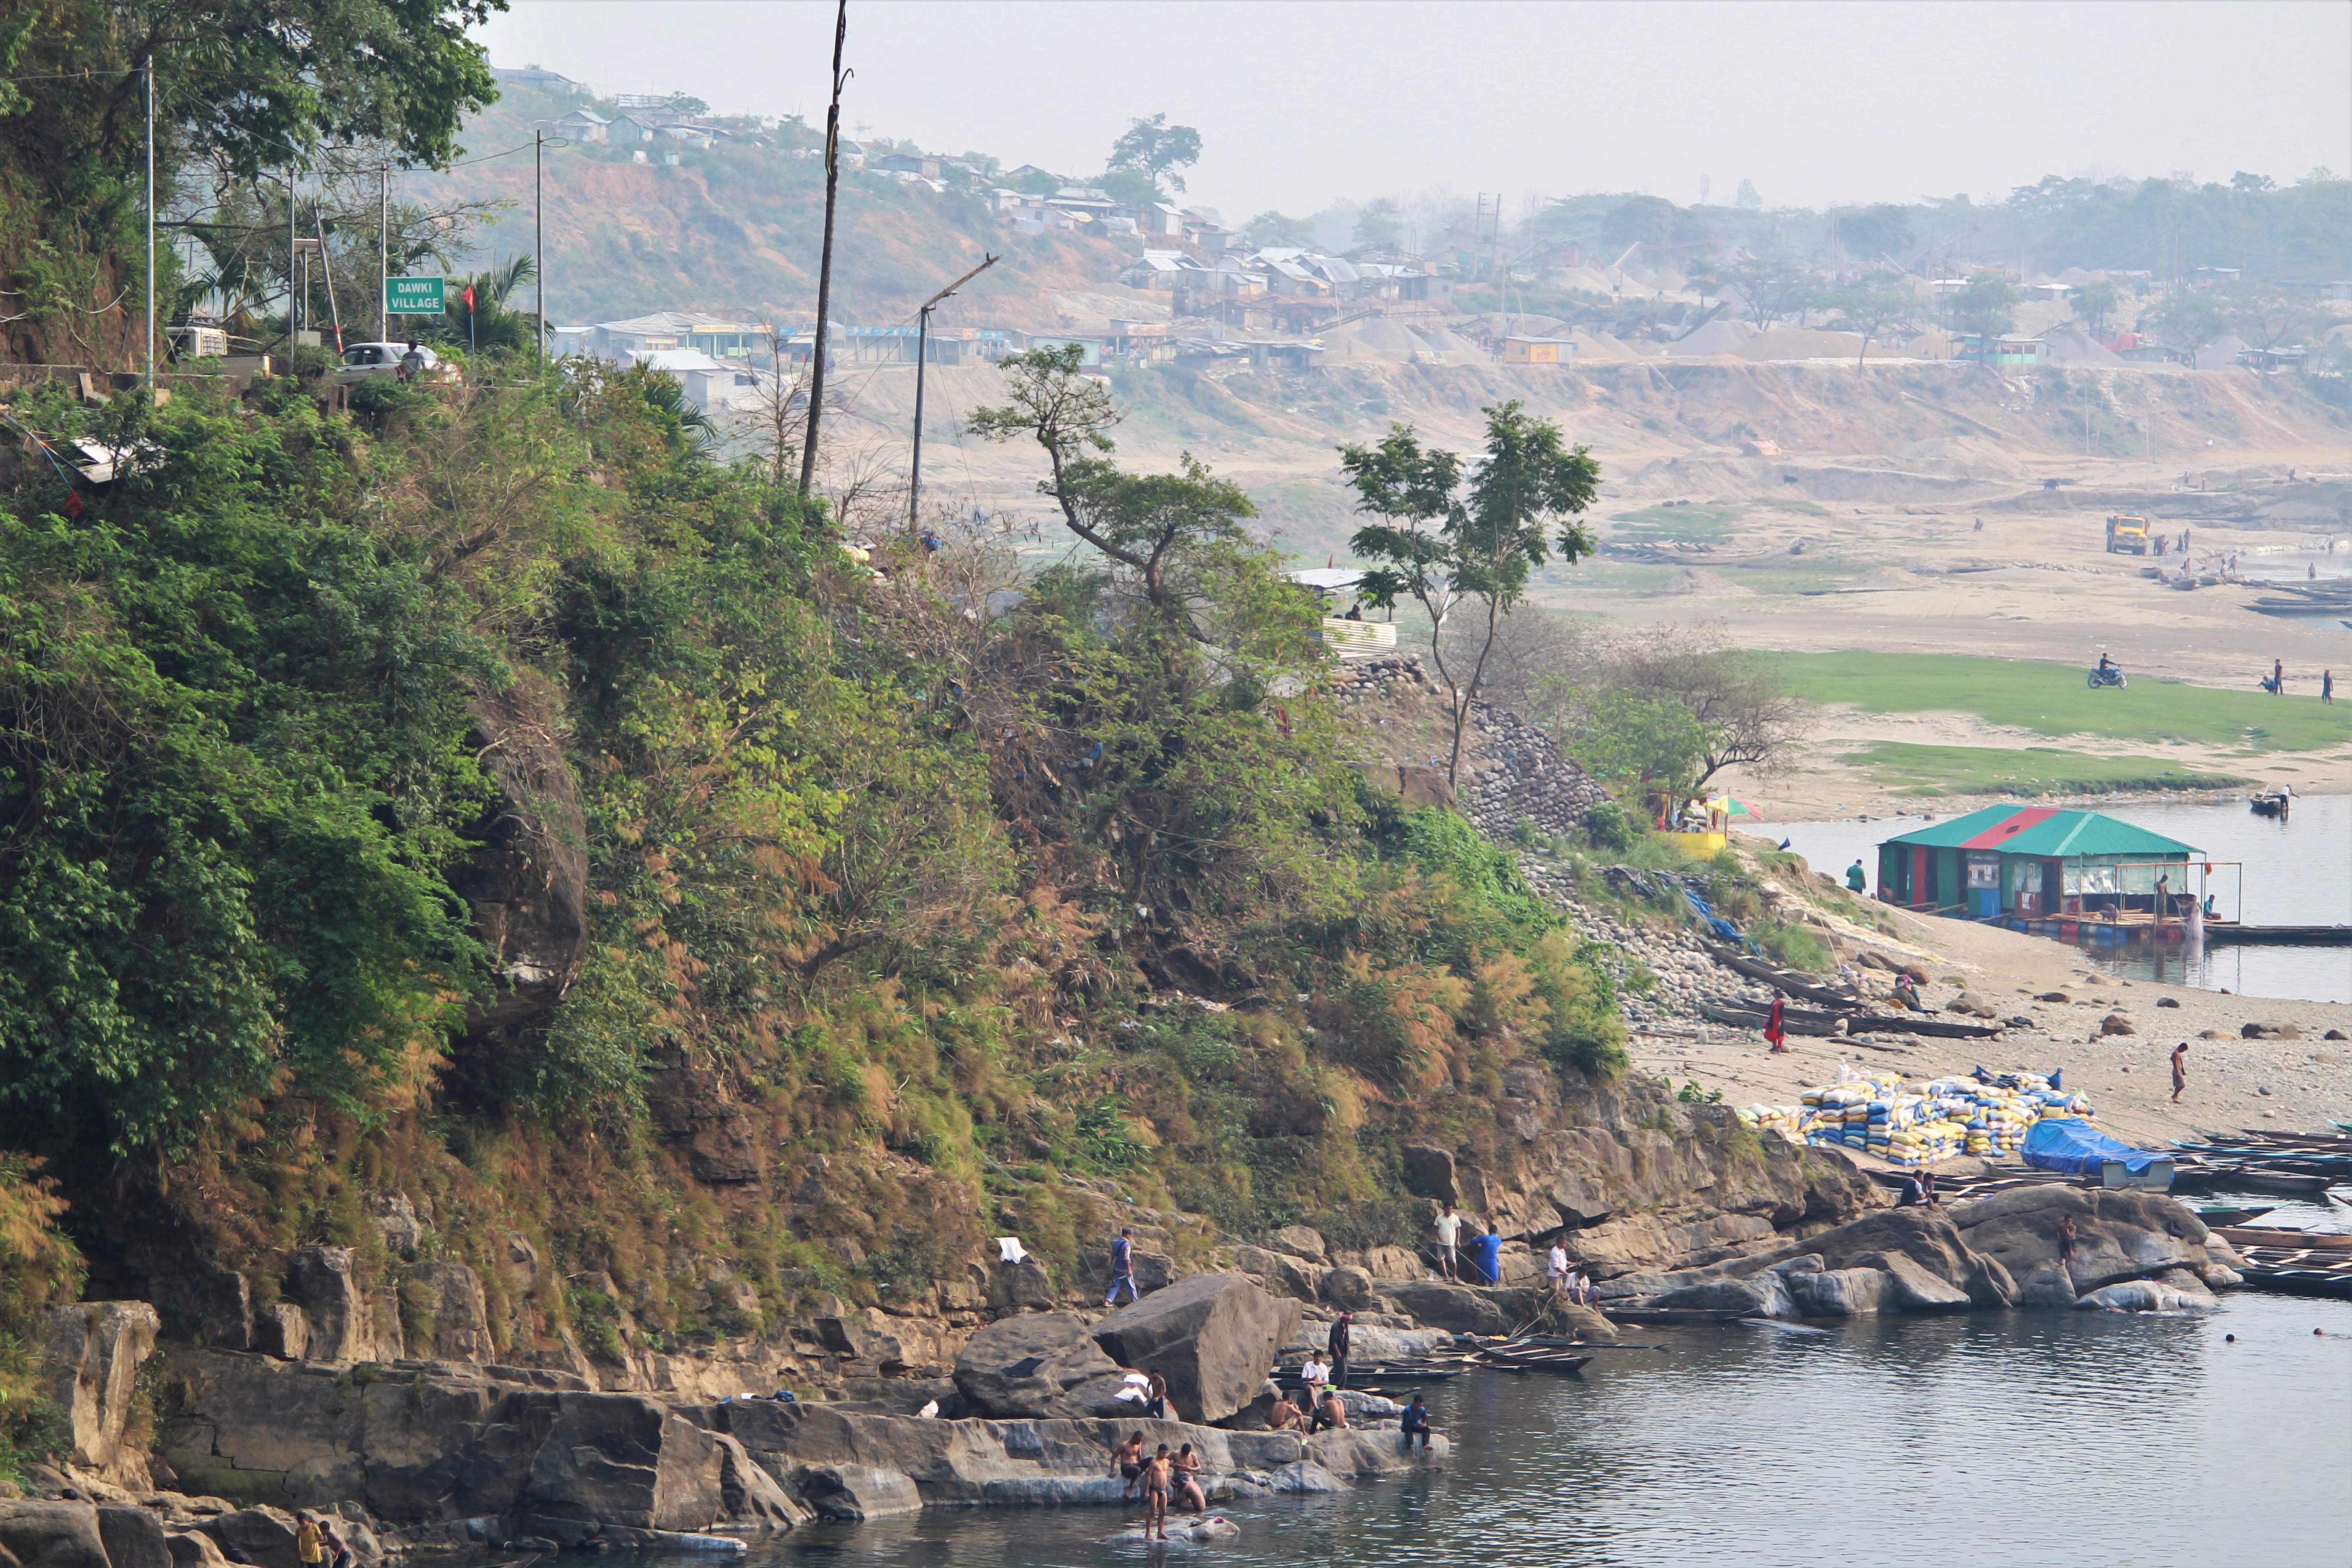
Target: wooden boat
x: 1788, y: 982
x: 2285, y: 1235
x: 1672, y: 1315
x: 2267, y: 804
x: 2217, y: 1215
x: 1519, y: 1355
x: 1919, y: 1023
x: 2276, y: 1181
x: 1361, y: 1377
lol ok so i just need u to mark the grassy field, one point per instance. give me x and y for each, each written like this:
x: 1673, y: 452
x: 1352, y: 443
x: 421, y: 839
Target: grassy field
x: 1909, y: 769
x: 1654, y: 524
x: 2053, y: 699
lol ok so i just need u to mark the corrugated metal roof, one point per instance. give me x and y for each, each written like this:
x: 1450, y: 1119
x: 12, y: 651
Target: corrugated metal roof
x: 2042, y: 830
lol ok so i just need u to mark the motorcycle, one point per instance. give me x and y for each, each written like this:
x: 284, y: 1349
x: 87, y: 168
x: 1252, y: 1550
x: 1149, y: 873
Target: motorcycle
x: 2109, y: 675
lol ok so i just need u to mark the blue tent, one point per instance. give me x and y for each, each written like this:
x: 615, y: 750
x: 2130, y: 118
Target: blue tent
x: 2068, y: 1144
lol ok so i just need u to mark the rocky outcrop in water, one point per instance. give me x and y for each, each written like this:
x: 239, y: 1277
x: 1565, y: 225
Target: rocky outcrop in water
x: 1213, y: 1337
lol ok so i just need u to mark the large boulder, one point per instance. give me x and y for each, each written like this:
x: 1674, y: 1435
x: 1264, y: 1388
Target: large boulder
x: 1213, y: 1337
x: 1429, y: 1173
x: 2118, y: 1234
x: 341, y: 1314
x: 94, y: 1354
x: 1038, y: 1365
x: 750, y: 1496
x: 1837, y: 1292
x: 852, y: 1494
x: 619, y: 1459
x: 262, y: 1536
x: 1925, y: 1237
x: 51, y: 1534
x: 1361, y: 1454
x: 134, y: 1536
x: 1764, y: 1294
x: 1466, y: 1309
x: 446, y: 1298
x: 1283, y: 1274
x: 1349, y: 1289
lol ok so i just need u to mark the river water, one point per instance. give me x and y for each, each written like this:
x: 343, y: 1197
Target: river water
x: 2298, y: 872
x: 1992, y: 1440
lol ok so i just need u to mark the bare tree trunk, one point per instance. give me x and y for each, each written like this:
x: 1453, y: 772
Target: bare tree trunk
x: 1477, y: 675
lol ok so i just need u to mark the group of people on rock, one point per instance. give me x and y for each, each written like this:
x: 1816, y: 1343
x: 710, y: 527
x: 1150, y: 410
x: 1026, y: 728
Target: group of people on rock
x: 1566, y: 1277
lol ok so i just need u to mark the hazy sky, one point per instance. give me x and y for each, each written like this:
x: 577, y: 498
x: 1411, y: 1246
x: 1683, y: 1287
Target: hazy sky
x: 1299, y: 104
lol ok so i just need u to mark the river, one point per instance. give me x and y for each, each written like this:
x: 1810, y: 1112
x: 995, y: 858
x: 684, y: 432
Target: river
x: 2298, y: 872
x: 1993, y: 1439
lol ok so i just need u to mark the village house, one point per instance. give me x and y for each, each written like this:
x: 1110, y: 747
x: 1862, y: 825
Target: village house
x: 580, y: 125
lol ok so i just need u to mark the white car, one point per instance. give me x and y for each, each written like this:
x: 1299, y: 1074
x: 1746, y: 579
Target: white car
x: 369, y: 362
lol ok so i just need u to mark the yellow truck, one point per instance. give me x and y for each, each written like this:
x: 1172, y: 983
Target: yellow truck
x: 2126, y: 534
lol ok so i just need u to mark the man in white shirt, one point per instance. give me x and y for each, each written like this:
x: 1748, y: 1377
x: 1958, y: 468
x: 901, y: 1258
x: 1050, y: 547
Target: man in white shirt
x: 1557, y: 1266
x: 1449, y: 1242
x: 1312, y: 1377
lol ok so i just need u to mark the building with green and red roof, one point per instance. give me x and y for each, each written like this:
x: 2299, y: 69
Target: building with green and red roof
x: 2033, y: 861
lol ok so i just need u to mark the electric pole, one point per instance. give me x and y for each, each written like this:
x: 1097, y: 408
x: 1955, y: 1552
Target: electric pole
x: 824, y: 260
x: 383, y: 254
x: 538, y: 239
x: 922, y: 362
x: 151, y: 229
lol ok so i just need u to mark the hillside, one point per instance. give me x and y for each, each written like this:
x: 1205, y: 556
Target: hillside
x: 733, y: 230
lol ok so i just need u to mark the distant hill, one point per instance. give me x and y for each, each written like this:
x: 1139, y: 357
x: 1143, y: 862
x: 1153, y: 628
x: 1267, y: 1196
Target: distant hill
x: 740, y: 228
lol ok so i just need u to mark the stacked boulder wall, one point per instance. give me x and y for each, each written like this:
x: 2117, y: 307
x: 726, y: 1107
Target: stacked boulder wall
x: 2119, y: 1235
x: 1038, y: 1365
x: 93, y: 1357
x: 1213, y: 1336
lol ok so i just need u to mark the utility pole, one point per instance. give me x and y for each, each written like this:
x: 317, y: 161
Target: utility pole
x: 538, y: 239
x: 383, y: 254
x: 327, y: 266
x: 151, y: 228
x: 922, y: 362
x: 824, y: 260
x: 292, y: 258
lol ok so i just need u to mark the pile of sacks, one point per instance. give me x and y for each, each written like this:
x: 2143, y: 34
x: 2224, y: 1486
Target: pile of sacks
x: 1985, y: 1114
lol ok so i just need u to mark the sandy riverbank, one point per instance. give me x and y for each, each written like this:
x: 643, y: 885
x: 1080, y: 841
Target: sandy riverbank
x: 2233, y: 1083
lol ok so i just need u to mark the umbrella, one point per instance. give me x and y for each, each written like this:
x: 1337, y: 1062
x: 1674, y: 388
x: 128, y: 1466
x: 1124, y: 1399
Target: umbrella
x: 1730, y: 806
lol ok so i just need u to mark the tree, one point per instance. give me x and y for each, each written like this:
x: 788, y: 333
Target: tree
x: 490, y: 324
x: 1748, y: 716
x: 1653, y: 744
x: 1156, y: 150
x: 1379, y: 227
x: 239, y: 89
x: 1869, y: 232
x: 2094, y: 301
x: 1872, y: 304
x: 1747, y: 200
x: 2267, y: 316
x: 2189, y: 319
x: 1644, y: 220
x: 1274, y: 228
x: 1159, y: 527
x: 1773, y: 288
x: 1984, y: 307
x: 1478, y: 548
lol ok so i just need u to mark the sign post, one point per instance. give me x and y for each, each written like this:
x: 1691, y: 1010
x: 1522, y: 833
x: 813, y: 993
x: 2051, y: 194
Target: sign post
x: 415, y: 296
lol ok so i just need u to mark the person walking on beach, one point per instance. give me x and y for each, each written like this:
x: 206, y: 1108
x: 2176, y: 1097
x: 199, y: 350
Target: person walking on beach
x: 1776, y: 1031
x: 2179, y: 1070
x: 1449, y: 1242
x: 1122, y: 1268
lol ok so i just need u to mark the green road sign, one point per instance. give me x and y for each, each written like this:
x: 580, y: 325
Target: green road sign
x: 415, y: 296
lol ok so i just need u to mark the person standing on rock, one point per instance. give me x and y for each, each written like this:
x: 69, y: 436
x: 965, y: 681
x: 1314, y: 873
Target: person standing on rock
x: 1855, y: 880
x: 1158, y: 1472
x: 2179, y: 1070
x: 1556, y: 1267
x: 1336, y: 1343
x: 1776, y: 1027
x: 339, y: 1553
x: 310, y: 1544
x: 1449, y: 1244
x: 1490, y: 1255
x: 1122, y: 1268
x: 1155, y: 1398
x: 2066, y: 1241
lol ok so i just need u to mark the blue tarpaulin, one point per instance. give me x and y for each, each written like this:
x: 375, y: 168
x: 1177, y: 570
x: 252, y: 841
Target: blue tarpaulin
x: 1706, y: 912
x: 2068, y: 1144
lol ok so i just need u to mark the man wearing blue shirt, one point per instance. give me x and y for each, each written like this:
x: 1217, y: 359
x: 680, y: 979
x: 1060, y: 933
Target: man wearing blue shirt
x: 1486, y: 1255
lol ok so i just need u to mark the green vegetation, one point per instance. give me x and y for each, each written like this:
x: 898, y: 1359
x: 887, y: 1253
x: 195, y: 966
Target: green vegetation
x: 2053, y: 699
x: 37, y: 1266
x: 1696, y: 524
x: 1910, y: 769
x: 921, y: 894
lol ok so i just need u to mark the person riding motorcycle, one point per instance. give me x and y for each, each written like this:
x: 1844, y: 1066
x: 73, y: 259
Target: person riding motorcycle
x: 2106, y: 664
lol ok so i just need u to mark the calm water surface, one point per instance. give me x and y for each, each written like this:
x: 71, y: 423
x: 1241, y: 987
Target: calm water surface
x: 1995, y: 1440
x: 2296, y: 873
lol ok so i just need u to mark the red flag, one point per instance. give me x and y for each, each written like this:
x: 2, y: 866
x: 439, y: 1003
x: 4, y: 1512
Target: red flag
x: 468, y: 297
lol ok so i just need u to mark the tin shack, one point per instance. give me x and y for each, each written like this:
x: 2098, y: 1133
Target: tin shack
x: 2036, y: 862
